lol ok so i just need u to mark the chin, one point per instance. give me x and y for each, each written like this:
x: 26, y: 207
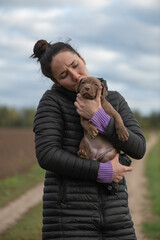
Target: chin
x: 88, y: 96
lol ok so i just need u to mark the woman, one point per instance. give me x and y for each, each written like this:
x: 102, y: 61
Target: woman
x: 76, y: 203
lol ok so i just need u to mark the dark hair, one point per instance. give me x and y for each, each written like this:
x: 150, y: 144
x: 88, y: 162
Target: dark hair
x: 45, y: 52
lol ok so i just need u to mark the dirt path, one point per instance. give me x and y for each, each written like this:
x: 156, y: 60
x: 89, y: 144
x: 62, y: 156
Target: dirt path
x: 14, y: 211
x: 136, y: 182
x: 136, y: 188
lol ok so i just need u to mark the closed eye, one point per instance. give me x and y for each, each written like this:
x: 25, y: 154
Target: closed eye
x: 64, y: 75
x: 75, y: 66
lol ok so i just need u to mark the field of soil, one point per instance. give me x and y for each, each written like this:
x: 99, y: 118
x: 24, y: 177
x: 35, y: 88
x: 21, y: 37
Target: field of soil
x: 17, y: 153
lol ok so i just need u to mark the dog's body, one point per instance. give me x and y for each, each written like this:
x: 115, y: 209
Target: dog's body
x: 97, y: 148
x: 93, y: 145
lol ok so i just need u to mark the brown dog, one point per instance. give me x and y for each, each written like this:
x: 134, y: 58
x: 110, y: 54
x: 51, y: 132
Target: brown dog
x: 93, y: 145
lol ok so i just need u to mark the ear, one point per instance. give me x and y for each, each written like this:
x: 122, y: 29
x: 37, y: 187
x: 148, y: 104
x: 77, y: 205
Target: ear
x: 55, y: 81
x: 78, y: 86
x: 104, y: 91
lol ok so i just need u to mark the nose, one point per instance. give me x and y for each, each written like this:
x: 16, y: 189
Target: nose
x: 76, y: 77
x: 87, y: 88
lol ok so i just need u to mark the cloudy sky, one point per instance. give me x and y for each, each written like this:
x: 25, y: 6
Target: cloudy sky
x: 119, y: 39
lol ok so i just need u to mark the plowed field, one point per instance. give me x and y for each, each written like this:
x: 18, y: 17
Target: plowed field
x: 17, y: 153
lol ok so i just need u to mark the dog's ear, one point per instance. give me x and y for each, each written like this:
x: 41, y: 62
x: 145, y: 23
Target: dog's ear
x: 104, y: 92
x: 78, y: 86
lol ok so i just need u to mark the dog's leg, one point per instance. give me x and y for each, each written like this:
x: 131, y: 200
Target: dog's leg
x: 120, y: 129
x: 83, y: 151
x: 119, y: 125
x: 91, y: 130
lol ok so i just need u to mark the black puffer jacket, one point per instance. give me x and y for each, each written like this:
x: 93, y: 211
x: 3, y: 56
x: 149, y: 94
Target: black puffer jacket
x: 75, y: 206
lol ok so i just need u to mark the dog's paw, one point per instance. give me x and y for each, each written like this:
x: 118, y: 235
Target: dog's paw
x: 123, y: 134
x: 82, y: 153
x: 93, y: 132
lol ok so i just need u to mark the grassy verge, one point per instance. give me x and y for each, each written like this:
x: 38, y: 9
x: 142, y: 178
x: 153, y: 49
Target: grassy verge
x: 28, y: 228
x: 152, y: 227
x: 148, y: 132
x: 13, y: 187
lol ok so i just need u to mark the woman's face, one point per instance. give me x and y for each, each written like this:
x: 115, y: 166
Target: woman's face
x: 68, y: 69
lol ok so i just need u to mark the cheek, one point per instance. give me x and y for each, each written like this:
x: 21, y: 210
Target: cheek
x: 81, y: 88
x: 95, y: 88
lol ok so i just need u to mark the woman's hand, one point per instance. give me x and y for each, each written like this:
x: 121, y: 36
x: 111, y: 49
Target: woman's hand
x: 86, y: 107
x: 119, y: 170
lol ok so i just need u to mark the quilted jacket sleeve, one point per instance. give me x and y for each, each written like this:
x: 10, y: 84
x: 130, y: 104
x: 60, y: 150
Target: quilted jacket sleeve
x: 48, y: 128
x: 135, y: 146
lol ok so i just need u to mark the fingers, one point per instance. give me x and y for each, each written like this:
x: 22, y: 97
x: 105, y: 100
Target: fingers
x: 79, y: 100
x: 119, y: 170
x: 119, y: 176
x: 117, y: 180
x: 76, y: 104
x: 129, y: 169
x: 79, y: 96
x: 99, y: 92
x: 78, y: 108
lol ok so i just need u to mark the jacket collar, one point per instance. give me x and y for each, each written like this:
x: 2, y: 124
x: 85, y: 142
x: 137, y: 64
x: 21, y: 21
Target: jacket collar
x: 69, y: 94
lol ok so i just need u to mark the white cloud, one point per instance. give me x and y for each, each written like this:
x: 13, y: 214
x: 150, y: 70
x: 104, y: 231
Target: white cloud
x: 28, y: 18
x: 144, y: 3
x: 3, y: 63
x: 145, y: 105
x: 90, y: 4
x: 120, y: 87
x: 97, y: 57
x: 148, y: 62
x: 94, y: 4
x: 44, y: 27
x: 138, y: 76
x: 100, y: 54
x: 15, y: 47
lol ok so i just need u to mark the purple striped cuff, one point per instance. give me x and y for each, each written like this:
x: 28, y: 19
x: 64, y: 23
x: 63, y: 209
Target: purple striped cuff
x: 101, y: 120
x: 105, y: 172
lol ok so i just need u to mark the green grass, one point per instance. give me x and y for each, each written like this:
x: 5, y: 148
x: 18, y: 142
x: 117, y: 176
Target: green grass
x: 29, y: 226
x: 13, y: 187
x: 152, y: 227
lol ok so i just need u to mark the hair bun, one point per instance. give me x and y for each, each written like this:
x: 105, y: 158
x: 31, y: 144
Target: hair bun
x: 40, y: 48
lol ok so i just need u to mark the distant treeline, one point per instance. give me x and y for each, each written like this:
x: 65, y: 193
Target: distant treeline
x: 151, y: 121
x: 11, y: 117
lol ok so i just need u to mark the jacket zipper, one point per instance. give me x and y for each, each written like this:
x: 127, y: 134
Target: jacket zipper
x: 61, y: 194
x: 60, y: 203
x: 100, y: 213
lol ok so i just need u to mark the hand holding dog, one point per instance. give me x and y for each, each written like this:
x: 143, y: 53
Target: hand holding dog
x: 86, y: 107
x: 119, y: 170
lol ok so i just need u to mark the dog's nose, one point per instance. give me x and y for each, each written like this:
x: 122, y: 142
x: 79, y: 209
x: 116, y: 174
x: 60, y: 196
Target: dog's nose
x: 87, y: 88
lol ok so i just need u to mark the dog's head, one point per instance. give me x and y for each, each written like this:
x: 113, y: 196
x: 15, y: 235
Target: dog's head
x: 88, y: 88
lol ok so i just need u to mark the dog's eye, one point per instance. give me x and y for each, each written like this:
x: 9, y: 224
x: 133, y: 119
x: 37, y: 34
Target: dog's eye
x: 96, y: 84
x: 82, y: 82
